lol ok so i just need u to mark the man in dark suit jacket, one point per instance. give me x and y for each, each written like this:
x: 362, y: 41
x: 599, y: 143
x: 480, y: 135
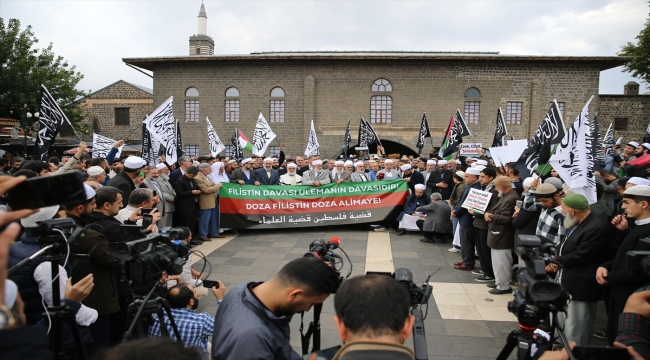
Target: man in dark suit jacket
x: 441, y: 180
x: 244, y: 175
x: 184, y: 162
x: 266, y: 175
x: 124, y: 180
x: 501, y: 234
x: 187, y: 201
x: 412, y: 177
x: 579, y: 255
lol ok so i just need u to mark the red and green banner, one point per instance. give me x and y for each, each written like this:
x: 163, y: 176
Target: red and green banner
x: 279, y: 206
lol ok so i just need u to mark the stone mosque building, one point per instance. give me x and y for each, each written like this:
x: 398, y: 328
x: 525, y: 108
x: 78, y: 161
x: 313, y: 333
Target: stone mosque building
x: 391, y: 89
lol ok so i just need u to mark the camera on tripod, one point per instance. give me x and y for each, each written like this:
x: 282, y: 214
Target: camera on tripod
x: 637, y: 261
x: 52, y: 231
x: 419, y: 294
x: 146, y: 259
x: 324, y: 250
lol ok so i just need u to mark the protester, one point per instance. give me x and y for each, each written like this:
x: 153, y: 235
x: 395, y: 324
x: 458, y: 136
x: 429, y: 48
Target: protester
x: 388, y: 173
x: 359, y: 175
x: 437, y: 224
x: 125, y: 180
x: 208, y: 210
x: 481, y: 229
x: 291, y: 177
x: 441, y: 180
x: 549, y: 200
x: 579, y: 255
x: 413, y: 201
x: 244, y: 175
x: 187, y: 203
x: 340, y: 175
x: 267, y: 175
x: 411, y: 177
x: 184, y: 162
x: 315, y: 176
x: 253, y: 319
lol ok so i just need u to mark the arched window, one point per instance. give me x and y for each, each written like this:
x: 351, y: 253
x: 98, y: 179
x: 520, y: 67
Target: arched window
x: 232, y: 105
x: 192, y: 106
x: 472, y: 93
x: 381, y: 85
x: 277, y: 92
x: 381, y: 109
x: 276, y: 107
x: 232, y: 92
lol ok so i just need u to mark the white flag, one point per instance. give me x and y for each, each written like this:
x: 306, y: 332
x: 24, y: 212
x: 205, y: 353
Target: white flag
x: 262, y: 137
x: 161, y: 126
x: 103, y: 145
x: 312, y: 144
x: 216, y: 146
x: 573, y: 159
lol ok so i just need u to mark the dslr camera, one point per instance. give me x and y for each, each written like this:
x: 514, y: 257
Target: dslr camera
x: 637, y: 261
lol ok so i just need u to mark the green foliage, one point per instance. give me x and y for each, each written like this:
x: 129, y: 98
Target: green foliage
x: 23, y: 68
x: 640, y: 53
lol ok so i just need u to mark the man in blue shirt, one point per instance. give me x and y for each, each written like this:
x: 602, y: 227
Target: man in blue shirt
x: 194, y: 328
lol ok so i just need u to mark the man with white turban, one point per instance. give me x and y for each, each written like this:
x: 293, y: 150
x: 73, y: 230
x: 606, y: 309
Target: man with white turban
x: 339, y: 174
x: 266, y: 175
x: 316, y: 176
x: 359, y: 175
x: 291, y: 177
x: 388, y: 172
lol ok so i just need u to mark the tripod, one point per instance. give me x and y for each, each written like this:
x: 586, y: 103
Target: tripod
x: 312, y: 330
x: 523, y: 339
x: 419, y: 338
x: 58, y: 313
x: 139, y: 312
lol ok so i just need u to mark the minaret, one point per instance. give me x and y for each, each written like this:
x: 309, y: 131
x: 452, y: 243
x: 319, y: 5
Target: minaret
x: 201, y: 43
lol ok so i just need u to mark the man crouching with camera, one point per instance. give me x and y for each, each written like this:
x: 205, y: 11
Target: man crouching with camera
x: 373, y: 319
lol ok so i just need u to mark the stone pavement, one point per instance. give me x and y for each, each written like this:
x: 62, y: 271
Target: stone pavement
x: 464, y: 321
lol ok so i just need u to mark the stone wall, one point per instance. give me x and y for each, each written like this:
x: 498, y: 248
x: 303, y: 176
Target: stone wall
x: 635, y: 108
x: 331, y: 92
x: 101, y: 106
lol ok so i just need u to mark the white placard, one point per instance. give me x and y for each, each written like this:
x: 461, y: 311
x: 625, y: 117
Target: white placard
x: 470, y: 149
x: 477, y: 200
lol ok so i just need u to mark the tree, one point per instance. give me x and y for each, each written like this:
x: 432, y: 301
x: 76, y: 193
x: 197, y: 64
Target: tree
x: 640, y: 53
x: 23, y: 68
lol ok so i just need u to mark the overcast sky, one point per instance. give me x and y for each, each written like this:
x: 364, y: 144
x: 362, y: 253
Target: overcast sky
x: 96, y: 35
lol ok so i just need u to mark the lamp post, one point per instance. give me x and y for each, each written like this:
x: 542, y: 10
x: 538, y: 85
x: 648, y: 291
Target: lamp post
x: 26, y: 118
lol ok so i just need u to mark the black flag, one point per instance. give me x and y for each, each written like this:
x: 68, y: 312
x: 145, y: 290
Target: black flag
x: 51, y: 121
x: 179, y: 143
x: 147, y: 155
x: 236, y: 147
x: 550, y: 131
x: 367, y: 134
x: 346, y: 141
x: 500, y: 131
x: 424, y: 133
x: 597, y: 145
x: 454, y: 136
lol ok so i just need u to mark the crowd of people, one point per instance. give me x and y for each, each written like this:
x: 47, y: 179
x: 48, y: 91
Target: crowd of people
x: 253, y: 318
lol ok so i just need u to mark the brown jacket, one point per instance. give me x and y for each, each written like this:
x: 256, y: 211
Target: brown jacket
x: 501, y: 233
x: 208, y: 197
x: 380, y: 351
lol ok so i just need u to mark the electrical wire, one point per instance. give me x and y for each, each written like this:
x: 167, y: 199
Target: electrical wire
x: 65, y: 262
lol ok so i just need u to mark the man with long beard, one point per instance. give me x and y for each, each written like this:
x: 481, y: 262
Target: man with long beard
x: 339, y: 174
x: 579, y: 256
x: 291, y: 177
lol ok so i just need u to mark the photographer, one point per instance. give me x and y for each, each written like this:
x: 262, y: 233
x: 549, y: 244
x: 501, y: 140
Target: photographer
x: 636, y: 202
x: 373, y: 319
x: 140, y: 199
x: 108, y: 204
x: 103, y: 265
x: 579, y: 255
x: 194, y: 328
x: 253, y: 319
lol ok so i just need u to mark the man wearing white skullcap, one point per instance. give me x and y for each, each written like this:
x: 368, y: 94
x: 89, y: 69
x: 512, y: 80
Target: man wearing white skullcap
x: 451, y: 166
x: 339, y: 174
x: 636, y: 181
x: 360, y: 174
x: 291, y: 177
x: 349, y: 166
x: 626, y: 155
x: 316, y: 176
x: 431, y: 166
x: 412, y: 177
x: 413, y: 201
x: 639, y: 170
x: 266, y: 175
x: 244, y: 175
x: 35, y: 279
x: 388, y: 172
x: 441, y: 180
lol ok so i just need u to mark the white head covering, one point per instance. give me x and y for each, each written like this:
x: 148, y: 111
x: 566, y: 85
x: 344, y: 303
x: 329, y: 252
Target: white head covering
x: 388, y: 161
x: 633, y: 143
x: 268, y: 159
x: 638, y: 181
x: 528, y: 181
x: 349, y: 162
x: 460, y: 173
x: 481, y: 162
x: 473, y: 171
x: 646, y: 145
x: 90, y: 192
x: 640, y: 190
x: 317, y: 162
x: 431, y: 162
x: 479, y: 167
x: 247, y: 160
x: 339, y: 162
x: 420, y: 187
x: 442, y: 162
x: 406, y: 167
x: 458, y: 162
x: 292, y: 165
x: 161, y: 166
x: 11, y: 293
x: 216, y: 177
x: 95, y: 170
x: 358, y: 163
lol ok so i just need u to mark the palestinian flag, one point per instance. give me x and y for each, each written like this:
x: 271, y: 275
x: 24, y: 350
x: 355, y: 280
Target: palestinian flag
x: 243, y: 142
x: 454, y: 136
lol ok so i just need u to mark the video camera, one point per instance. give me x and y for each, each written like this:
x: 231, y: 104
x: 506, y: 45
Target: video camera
x: 638, y: 262
x: 419, y: 294
x: 324, y: 250
x: 145, y: 259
